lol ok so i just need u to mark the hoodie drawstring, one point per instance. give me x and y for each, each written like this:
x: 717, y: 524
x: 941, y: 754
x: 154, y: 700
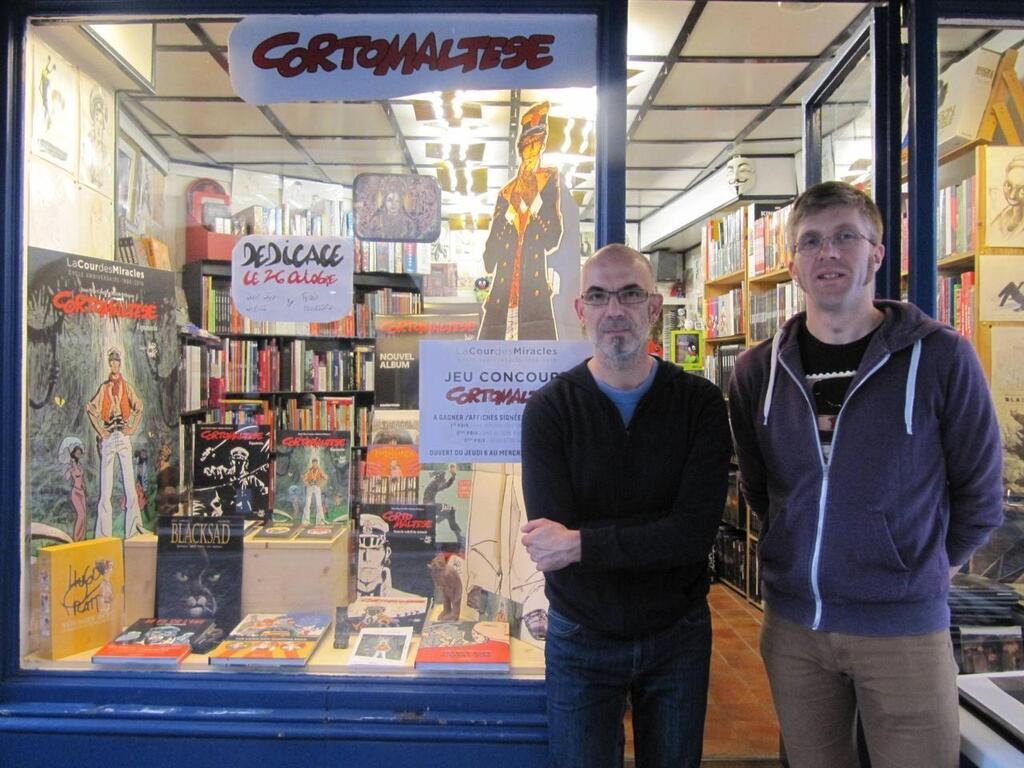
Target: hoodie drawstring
x: 908, y: 404
x: 776, y: 340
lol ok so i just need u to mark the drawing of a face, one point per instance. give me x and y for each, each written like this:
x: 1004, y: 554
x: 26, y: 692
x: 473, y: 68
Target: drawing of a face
x: 393, y: 202
x: 239, y: 460
x: 373, y: 551
x: 1013, y: 184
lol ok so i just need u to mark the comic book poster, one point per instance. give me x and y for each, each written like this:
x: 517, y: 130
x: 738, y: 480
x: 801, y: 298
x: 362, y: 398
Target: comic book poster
x: 391, y: 474
x: 396, y: 364
x: 395, y: 547
x: 102, y: 397
x: 312, y: 470
x: 450, y: 487
x: 231, y: 471
x: 199, y: 570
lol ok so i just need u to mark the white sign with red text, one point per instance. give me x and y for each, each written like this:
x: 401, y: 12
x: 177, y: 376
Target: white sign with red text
x: 346, y: 57
x: 300, y: 279
x: 472, y: 394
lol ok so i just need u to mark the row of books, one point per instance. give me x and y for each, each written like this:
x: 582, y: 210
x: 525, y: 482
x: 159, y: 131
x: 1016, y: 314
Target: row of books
x: 325, y: 413
x: 724, y: 314
x: 730, y: 554
x: 722, y: 245
x: 324, y: 218
x: 295, y: 365
x: 194, y: 381
x: 770, y: 309
x: 769, y: 248
x: 719, y: 365
x: 957, y: 216
x: 955, y: 302
x: 288, y: 639
x: 411, y: 258
x: 222, y: 317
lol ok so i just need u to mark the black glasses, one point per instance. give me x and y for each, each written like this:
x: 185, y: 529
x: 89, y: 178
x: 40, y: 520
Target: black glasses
x: 631, y: 294
x: 845, y: 240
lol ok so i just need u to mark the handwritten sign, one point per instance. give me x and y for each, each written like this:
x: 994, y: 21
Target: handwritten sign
x: 301, y: 279
x: 276, y: 59
x: 472, y: 394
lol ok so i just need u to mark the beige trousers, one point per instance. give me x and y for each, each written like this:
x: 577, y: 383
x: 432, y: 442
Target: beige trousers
x: 904, y: 689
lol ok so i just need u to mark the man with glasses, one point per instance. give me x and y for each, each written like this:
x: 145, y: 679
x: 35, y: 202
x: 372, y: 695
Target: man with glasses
x: 625, y: 465
x: 868, y: 443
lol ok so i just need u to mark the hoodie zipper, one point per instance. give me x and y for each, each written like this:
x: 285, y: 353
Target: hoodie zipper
x: 825, y: 465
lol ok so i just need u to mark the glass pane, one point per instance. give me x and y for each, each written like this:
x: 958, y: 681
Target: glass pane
x: 168, y: 422
x: 847, y: 145
x: 979, y: 251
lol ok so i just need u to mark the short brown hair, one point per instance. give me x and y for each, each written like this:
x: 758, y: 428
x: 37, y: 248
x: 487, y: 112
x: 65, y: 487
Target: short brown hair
x: 832, y: 194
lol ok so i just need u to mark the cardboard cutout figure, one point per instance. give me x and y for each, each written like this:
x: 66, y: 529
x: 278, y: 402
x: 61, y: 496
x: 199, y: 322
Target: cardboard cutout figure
x: 527, y: 229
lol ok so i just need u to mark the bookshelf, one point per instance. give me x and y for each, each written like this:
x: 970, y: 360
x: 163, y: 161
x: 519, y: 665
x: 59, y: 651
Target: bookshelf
x: 292, y: 375
x: 748, y: 294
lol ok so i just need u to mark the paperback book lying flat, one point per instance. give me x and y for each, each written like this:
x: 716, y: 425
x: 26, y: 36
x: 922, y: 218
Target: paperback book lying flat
x: 277, y: 653
x: 481, y: 646
x: 160, y: 642
x: 382, y: 647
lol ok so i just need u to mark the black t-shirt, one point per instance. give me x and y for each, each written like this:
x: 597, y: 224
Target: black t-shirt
x: 829, y: 369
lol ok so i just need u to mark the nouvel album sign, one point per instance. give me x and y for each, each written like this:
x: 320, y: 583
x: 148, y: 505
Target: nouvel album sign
x: 276, y: 59
x: 472, y: 394
x: 302, y: 279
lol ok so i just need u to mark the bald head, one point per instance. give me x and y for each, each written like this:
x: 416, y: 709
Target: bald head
x: 623, y: 255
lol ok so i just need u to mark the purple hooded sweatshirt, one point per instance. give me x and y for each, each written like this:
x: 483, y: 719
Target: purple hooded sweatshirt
x: 862, y: 544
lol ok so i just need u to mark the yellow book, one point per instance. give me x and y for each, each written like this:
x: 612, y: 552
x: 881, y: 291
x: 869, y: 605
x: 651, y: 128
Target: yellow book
x: 81, y: 595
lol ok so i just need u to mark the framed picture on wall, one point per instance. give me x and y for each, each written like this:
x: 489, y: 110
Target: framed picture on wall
x: 96, y: 134
x: 1002, y: 190
x: 687, y: 350
x: 127, y: 167
x: 54, y: 90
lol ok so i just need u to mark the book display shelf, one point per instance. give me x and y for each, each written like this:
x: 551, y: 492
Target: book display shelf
x: 748, y: 295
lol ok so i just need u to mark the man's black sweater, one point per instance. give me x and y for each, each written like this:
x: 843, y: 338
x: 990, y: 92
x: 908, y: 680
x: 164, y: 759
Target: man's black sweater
x: 646, y: 498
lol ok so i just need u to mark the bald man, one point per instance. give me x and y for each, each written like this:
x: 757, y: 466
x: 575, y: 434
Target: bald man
x: 625, y: 469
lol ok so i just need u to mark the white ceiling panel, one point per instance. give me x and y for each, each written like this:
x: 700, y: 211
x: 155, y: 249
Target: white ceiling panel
x: 780, y: 124
x: 635, y: 213
x: 765, y: 29
x: 808, y: 85
x: 958, y: 38
x: 790, y: 147
x: 648, y: 198
x: 253, y: 150
x: 333, y: 119
x: 211, y: 117
x: 654, y: 26
x: 671, y: 180
x: 673, y: 155
x: 219, y: 31
x: 733, y: 83
x: 639, y: 85
x: 178, y: 150
x: 175, y: 33
x: 692, y: 124
x: 190, y: 74
x: 150, y: 126
x: 354, y: 151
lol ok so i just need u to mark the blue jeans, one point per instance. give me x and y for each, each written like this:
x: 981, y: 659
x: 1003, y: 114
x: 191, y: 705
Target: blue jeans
x: 665, y: 675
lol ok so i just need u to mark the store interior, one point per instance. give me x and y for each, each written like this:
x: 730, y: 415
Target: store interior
x: 705, y: 100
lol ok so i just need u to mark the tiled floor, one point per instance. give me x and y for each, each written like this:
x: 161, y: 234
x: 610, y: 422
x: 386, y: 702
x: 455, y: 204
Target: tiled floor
x: 741, y: 728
